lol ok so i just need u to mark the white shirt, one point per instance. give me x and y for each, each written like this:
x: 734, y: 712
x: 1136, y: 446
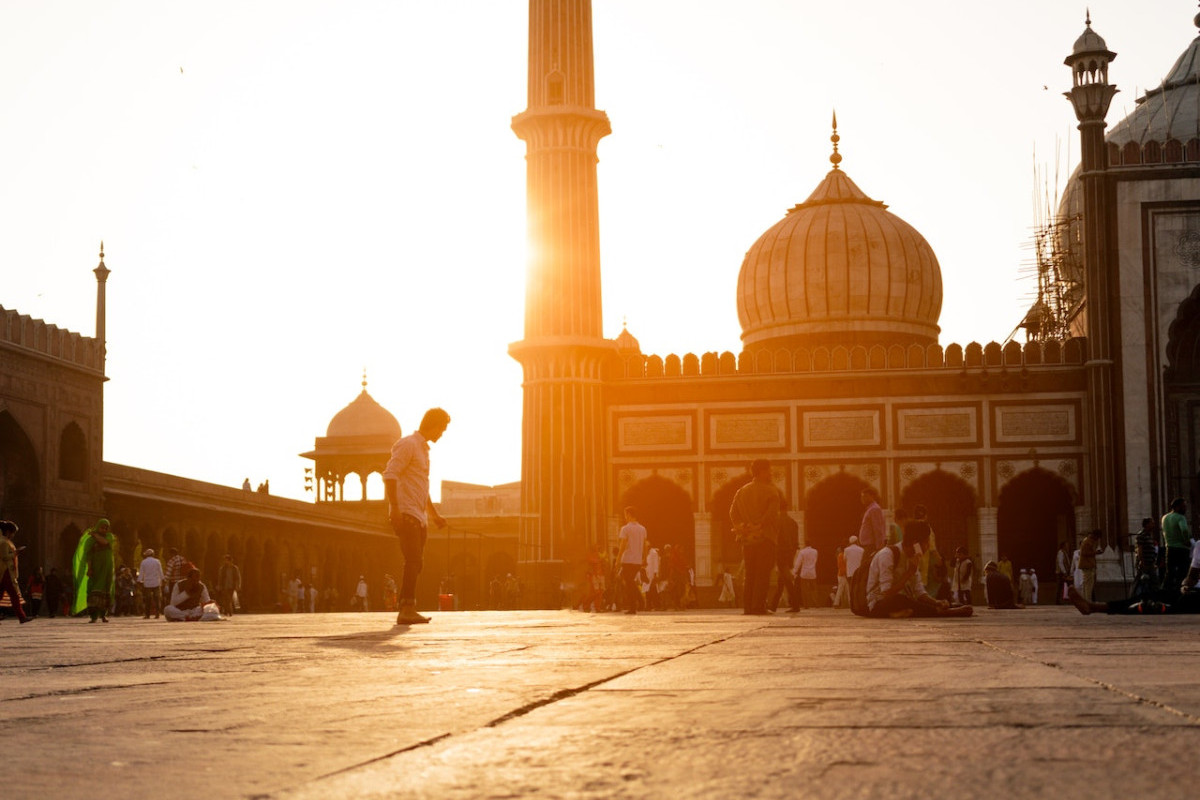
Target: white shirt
x: 805, y: 565
x: 635, y: 536
x: 409, y: 468
x: 883, y: 575
x: 854, y: 557
x: 150, y: 572
x: 179, y: 594
x: 652, y: 563
x: 361, y: 590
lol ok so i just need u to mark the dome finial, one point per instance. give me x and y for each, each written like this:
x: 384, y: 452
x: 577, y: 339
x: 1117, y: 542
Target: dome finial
x: 835, y: 158
x: 1088, y: 18
x: 364, y: 382
x: 1196, y: 20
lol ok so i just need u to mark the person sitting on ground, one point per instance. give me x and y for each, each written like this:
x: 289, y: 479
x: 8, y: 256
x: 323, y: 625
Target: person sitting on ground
x: 998, y: 588
x: 1188, y: 601
x: 190, y: 601
x: 894, y: 587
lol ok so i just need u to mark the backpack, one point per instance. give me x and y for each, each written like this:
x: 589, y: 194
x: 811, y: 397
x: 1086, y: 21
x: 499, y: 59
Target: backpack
x: 858, y: 584
x: 858, y: 587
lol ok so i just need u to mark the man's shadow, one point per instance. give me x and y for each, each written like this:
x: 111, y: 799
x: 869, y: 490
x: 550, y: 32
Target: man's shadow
x: 372, y: 641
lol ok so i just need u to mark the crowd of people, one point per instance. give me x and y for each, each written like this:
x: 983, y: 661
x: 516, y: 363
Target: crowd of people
x: 903, y: 573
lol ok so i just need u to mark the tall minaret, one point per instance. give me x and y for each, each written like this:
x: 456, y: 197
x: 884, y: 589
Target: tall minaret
x: 563, y: 483
x: 1091, y: 94
x: 101, y: 272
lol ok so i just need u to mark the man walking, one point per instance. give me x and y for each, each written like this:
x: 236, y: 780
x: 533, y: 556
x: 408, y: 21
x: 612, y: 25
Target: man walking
x: 755, y: 515
x: 1062, y: 572
x: 8, y: 568
x: 1178, y: 541
x: 150, y: 576
x: 229, y: 583
x: 633, y: 542
x: 1087, y: 564
x: 406, y: 486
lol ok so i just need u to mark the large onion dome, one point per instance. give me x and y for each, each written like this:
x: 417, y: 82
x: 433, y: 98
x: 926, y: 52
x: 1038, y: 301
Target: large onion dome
x: 839, y: 269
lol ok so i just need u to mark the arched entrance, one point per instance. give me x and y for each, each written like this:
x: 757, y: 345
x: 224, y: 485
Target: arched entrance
x: 951, y: 505
x: 19, y: 489
x: 666, y: 511
x: 1036, y: 512
x: 833, y: 512
x: 1181, y: 389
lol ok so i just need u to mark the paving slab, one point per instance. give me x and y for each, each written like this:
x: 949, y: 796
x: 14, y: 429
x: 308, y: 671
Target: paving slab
x: 704, y: 704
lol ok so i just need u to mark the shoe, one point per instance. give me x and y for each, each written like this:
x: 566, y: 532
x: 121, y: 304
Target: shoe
x: 26, y: 619
x: 90, y: 621
x: 408, y: 616
x: 104, y: 619
x: 793, y: 610
x: 145, y: 616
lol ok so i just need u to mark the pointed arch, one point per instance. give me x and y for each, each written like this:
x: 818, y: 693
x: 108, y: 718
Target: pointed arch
x: 72, y: 453
x: 1036, y: 512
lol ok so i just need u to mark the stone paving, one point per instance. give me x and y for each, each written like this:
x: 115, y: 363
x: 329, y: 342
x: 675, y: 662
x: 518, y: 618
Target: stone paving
x: 705, y: 704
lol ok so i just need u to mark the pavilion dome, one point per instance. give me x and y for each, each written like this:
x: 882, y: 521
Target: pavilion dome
x: 364, y: 417
x: 839, y: 269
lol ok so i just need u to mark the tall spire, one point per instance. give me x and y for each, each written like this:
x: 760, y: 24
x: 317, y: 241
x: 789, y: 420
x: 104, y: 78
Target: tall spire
x: 836, y: 157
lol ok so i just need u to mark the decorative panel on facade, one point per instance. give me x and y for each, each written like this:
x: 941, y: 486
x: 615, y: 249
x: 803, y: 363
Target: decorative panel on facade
x: 938, y: 426
x: 1069, y: 468
x: 655, y: 433
x: 843, y: 428
x: 1024, y: 424
x: 869, y: 472
x: 968, y: 470
x: 748, y: 432
x: 682, y: 475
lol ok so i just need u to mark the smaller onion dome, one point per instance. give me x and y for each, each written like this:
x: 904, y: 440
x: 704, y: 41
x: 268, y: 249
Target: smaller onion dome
x: 1089, y: 41
x: 625, y: 341
x: 364, y: 417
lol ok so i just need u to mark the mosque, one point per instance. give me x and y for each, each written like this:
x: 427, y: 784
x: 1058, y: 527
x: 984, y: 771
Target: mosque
x: 840, y: 380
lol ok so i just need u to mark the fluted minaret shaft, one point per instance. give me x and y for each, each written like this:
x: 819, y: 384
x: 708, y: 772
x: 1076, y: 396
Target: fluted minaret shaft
x: 1090, y: 96
x: 562, y: 471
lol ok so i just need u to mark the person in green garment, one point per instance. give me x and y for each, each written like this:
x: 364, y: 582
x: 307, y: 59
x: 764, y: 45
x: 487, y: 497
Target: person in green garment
x: 94, y: 571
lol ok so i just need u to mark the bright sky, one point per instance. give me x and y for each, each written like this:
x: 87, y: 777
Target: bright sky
x: 292, y: 190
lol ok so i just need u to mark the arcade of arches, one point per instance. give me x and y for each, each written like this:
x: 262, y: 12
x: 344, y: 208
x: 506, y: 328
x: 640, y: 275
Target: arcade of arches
x: 1036, y: 510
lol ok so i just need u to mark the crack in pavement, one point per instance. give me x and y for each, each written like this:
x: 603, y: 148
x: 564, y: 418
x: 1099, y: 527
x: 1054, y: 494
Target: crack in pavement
x: 1110, y: 687
x: 85, y: 690
x: 521, y: 711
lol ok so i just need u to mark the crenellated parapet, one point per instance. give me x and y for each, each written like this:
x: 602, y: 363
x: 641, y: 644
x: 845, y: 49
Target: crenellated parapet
x: 29, y: 333
x: 1031, y: 355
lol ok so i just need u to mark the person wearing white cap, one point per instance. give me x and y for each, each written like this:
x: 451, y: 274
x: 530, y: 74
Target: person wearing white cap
x: 360, y: 592
x: 150, y: 576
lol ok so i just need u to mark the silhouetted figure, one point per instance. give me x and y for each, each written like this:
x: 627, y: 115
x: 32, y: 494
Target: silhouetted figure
x: 406, y: 486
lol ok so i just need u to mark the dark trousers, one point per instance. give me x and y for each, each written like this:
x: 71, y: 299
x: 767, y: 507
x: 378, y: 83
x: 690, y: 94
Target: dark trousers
x: 759, y: 557
x: 890, y: 604
x: 411, y: 534
x: 1178, y: 561
x: 7, y: 586
x: 784, y: 583
x: 629, y: 590
x: 1186, y: 603
x: 151, y: 600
